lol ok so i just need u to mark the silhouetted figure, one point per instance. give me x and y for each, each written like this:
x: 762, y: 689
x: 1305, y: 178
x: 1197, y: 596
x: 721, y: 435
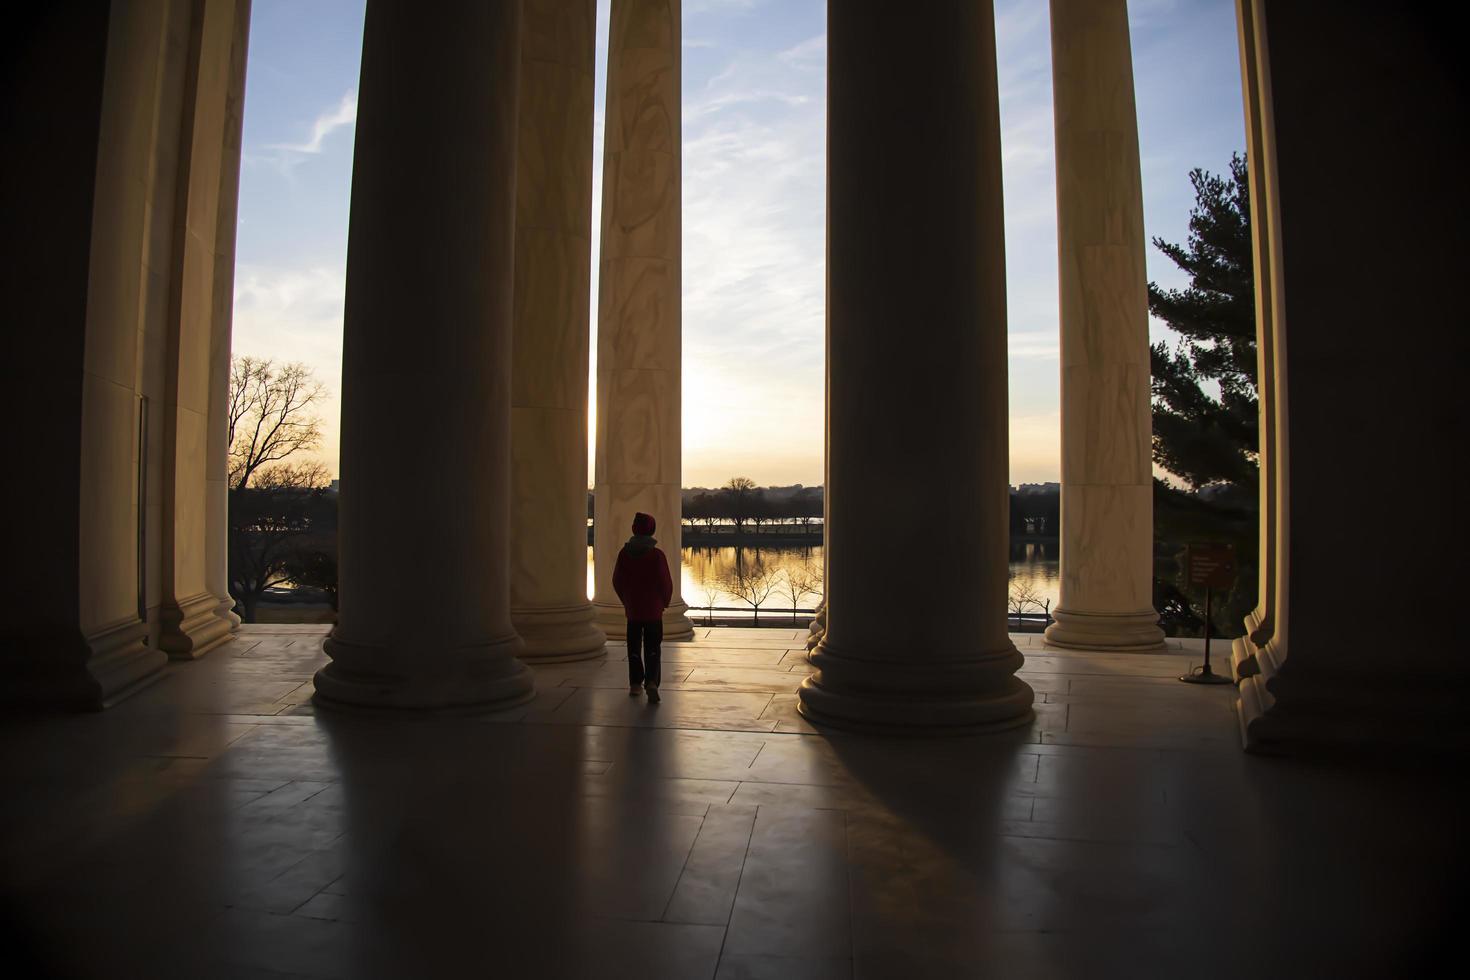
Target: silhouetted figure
x: 641, y: 580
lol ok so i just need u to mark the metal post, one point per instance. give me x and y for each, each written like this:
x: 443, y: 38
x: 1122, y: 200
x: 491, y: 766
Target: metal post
x: 1203, y: 674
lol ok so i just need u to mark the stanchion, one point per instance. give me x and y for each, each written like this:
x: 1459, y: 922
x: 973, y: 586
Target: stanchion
x: 1203, y: 674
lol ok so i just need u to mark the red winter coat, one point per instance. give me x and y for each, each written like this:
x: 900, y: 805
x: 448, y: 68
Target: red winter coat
x: 641, y: 580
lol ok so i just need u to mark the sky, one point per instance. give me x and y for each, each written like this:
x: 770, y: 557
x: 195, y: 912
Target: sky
x: 754, y: 74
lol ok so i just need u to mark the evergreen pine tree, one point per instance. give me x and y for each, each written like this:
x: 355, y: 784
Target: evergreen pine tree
x: 1205, y: 427
x: 1201, y: 436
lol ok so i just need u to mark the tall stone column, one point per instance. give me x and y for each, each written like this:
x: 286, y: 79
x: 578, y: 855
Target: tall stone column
x: 1107, y: 482
x: 91, y: 108
x: 639, y: 403
x: 217, y: 448
x: 1260, y: 622
x: 424, y: 618
x: 916, y: 368
x: 194, y: 407
x: 548, y: 585
x: 1343, y: 449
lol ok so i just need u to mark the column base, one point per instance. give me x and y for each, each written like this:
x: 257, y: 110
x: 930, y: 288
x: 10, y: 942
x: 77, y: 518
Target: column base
x: 84, y: 673
x: 612, y: 621
x: 486, y: 677
x: 558, y: 634
x: 818, y: 627
x: 191, y: 628
x: 1243, y: 661
x: 1137, y: 632
x: 1258, y: 627
x: 226, y: 611
x: 1394, y: 713
x: 894, y: 697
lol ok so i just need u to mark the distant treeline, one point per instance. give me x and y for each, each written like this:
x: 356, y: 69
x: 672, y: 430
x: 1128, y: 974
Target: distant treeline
x: 742, y: 508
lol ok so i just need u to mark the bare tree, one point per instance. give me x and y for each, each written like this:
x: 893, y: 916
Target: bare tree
x: 309, y: 474
x: 278, y: 527
x: 738, y: 494
x: 799, y: 580
x: 809, y: 505
x: 751, y: 582
x: 271, y: 414
x: 1024, y: 593
x: 711, y: 590
x: 282, y: 522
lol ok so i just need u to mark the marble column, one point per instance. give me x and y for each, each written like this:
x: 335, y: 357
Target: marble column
x: 1107, y: 483
x: 638, y: 459
x: 548, y: 585
x: 193, y: 409
x: 424, y: 618
x: 217, y: 448
x: 916, y: 391
x: 1367, y: 410
x: 1259, y: 622
x: 91, y: 110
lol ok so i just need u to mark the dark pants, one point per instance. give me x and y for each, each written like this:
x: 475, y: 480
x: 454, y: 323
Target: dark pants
x: 644, y: 659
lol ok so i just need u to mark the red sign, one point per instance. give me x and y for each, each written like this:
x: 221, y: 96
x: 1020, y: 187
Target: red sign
x: 1210, y: 566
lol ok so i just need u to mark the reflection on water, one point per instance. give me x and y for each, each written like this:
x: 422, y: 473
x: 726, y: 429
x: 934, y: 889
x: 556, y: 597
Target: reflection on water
x: 704, y: 567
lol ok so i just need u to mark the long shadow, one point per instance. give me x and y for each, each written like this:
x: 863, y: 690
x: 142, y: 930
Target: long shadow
x: 459, y: 844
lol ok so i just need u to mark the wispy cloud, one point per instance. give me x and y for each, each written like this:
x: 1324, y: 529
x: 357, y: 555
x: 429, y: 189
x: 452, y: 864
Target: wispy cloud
x: 811, y: 53
x: 343, y: 114
x: 696, y: 7
x: 286, y: 157
x: 754, y: 231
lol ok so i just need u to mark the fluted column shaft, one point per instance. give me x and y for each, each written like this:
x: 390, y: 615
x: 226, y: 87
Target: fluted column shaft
x: 217, y: 448
x: 1260, y: 622
x: 194, y: 615
x: 1107, y: 483
x: 1326, y: 677
x: 638, y: 459
x: 424, y: 618
x: 916, y: 391
x: 548, y: 584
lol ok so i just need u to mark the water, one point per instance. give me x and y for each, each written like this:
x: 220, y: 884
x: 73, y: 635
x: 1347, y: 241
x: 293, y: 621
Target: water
x: 705, y: 565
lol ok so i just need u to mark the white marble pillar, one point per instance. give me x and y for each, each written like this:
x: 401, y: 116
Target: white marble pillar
x: 548, y: 585
x: 190, y: 617
x: 424, y: 618
x: 638, y: 459
x: 916, y: 390
x: 1345, y: 449
x: 217, y: 448
x: 1260, y: 623
x: 1107, y: 484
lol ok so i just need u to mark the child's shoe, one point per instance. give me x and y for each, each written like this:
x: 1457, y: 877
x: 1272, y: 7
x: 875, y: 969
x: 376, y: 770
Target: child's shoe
x: 653, y: 697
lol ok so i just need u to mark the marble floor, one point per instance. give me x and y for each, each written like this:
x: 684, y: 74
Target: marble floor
x: 215, y: 826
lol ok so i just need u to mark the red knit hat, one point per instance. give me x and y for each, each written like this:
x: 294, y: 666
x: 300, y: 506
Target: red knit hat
x: 643, y: 523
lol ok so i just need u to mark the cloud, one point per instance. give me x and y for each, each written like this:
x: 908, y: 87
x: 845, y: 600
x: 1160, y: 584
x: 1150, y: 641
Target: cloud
x: 286, y: 157
x: 697, y: 7
x: 1034, y: 344
x: 344, y: 114
x: 295, y: 314
x: 809, y: 54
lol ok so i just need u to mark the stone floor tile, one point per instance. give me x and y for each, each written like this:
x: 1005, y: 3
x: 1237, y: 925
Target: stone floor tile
x: 793, y: 893
x: 732, y: 656
x: 724, y: 678
x: 1122, y: 834
x: 706, y: 888
x: 737, y: 966
x: 708, y: 710
x: 611, y: 950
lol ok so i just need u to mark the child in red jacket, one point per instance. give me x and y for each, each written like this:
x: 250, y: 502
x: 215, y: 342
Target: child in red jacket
x: 641, y: 580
